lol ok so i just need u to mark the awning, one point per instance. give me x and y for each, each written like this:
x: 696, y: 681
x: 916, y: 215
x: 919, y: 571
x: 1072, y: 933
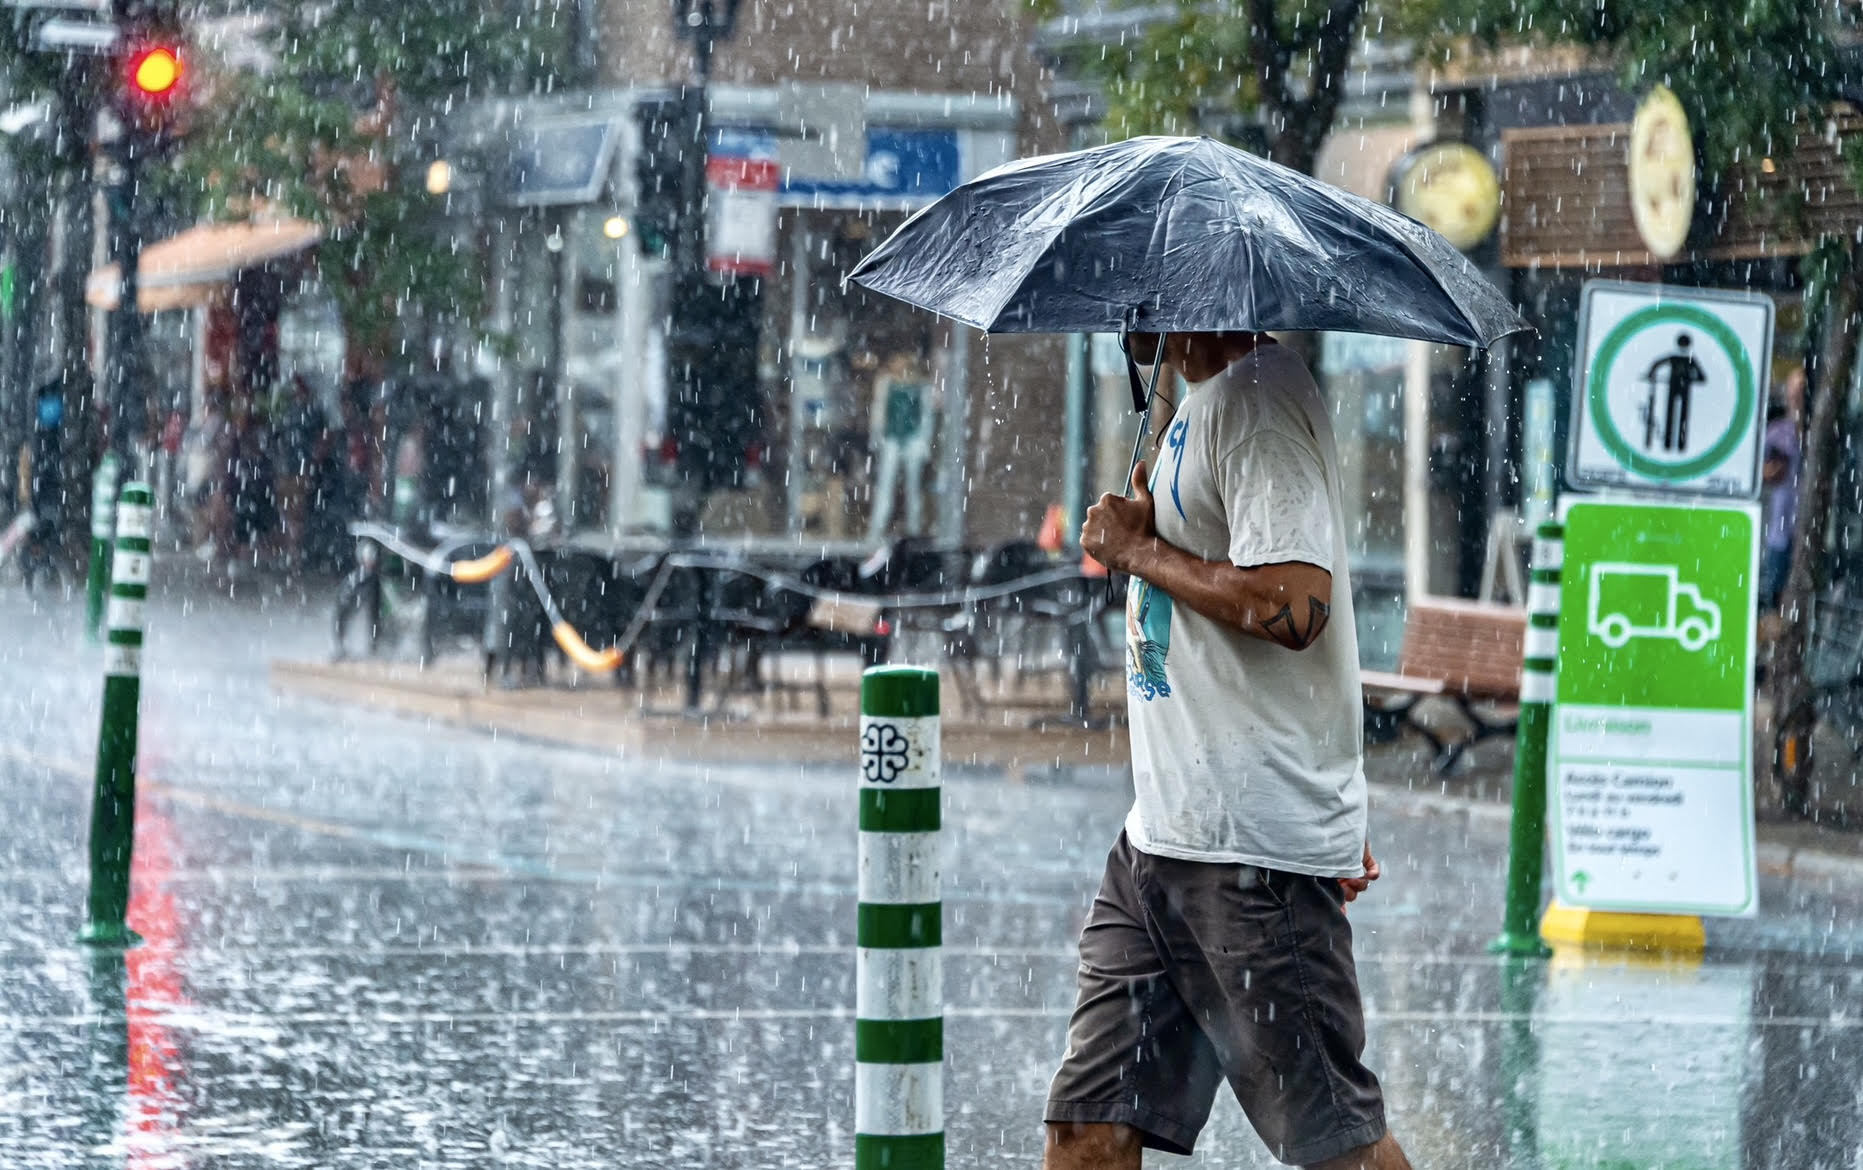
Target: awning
x: 184, y: 270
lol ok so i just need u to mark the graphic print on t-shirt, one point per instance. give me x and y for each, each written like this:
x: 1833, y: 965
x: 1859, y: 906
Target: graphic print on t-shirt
x: 1175, y: 441
x: 1148, y: 640
x: 1148, y: 610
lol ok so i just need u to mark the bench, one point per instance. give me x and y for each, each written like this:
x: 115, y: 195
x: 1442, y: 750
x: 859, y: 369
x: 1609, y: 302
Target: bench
x: 1465, y: 651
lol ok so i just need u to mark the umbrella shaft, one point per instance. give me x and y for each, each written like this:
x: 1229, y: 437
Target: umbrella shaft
x: 1138, y: 444
x: 1144, y: 427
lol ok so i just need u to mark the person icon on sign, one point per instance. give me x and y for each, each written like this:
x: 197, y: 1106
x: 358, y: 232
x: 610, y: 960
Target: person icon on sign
x: 1676, y: 374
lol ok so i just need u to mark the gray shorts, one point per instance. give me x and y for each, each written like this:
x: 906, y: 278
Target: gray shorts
x: 1192, y: 973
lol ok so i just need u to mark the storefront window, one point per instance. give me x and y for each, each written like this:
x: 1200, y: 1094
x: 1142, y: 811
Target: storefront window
x: 1362, y: 379
x: 860, y: 422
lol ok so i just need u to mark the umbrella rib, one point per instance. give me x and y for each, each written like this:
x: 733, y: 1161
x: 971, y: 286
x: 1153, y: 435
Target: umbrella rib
x: 1084, y: 205
x: 1419, y: 261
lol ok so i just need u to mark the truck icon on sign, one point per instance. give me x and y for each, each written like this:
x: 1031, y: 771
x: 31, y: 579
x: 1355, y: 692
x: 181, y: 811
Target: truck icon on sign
x: 1649, y: 601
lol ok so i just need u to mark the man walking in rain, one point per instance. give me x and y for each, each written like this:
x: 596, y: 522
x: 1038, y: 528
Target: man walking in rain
x: 1218, y: 947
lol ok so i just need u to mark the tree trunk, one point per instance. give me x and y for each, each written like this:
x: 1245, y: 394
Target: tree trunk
x: 1828, y: 383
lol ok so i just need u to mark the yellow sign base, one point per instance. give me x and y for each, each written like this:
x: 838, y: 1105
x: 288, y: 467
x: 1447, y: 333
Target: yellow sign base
x: 1676, y: 934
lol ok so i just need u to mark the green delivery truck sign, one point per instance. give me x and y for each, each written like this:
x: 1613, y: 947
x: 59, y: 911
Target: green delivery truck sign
x: 1651, y: 749
x: 1630, y: 601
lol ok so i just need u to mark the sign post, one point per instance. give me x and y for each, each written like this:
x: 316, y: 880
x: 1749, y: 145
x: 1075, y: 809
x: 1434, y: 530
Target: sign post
x: 1650, y: 759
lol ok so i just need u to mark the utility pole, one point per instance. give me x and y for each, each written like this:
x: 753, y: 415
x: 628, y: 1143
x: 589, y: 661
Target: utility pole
x: 699, y: 377
x: 147, y: 89
x: 124, y: 344
x: 140, y: 80
x: 700, y: 344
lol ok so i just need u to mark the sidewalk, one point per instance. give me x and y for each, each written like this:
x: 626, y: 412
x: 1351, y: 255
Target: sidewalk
x: 1012, y: 735
x: 1020, y: 728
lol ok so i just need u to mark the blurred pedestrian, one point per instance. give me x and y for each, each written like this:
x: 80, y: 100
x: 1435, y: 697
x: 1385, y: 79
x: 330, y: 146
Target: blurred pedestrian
x: 328, y: 507
x: 42, y: 485
x: 1779, y: 479
x: 410, y: 510
x: 249, y: 487
x: 200, y: 473
x: 300, y: 424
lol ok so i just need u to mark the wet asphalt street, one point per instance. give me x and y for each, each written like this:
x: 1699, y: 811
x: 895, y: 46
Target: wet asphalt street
x: 374, y: 943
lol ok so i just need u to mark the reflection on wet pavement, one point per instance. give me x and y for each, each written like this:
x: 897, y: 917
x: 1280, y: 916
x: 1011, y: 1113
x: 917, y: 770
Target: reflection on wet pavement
x: 375, y: 943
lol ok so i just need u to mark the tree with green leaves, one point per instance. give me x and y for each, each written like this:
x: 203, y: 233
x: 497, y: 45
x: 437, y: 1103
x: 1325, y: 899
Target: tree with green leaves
x: 1199, y: 67
x: 332, y: 129
x: 1755, y: 78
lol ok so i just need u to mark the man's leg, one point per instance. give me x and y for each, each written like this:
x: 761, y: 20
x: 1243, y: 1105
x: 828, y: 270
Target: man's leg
x: 1091, y: 1146
x: 1383, y: 1154
x: 1138, y: 1069
x: 1265, y: 960
x: 915, y: 497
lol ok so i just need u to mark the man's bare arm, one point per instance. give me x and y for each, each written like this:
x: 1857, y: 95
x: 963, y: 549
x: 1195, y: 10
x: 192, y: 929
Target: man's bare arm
x: 1287, y: 604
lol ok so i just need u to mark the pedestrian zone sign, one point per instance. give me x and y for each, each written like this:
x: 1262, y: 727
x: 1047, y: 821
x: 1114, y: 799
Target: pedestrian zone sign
x: 1671, y: 389
x: 1650, y: 757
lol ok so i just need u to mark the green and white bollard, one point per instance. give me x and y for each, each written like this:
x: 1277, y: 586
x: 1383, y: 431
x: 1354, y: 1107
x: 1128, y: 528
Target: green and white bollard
x: 113, y: 802
x: 899, y: 996
x: 103, y: 529
x: 1526, y: 852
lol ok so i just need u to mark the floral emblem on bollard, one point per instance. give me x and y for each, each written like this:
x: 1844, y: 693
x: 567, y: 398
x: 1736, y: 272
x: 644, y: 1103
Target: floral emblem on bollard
x: 883, y: 753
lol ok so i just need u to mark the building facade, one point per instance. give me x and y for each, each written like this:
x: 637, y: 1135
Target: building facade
x: 918, y: 99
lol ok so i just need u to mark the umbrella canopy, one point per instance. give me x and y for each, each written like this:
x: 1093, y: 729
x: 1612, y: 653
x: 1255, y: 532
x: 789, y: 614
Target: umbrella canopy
x: 1180, y: 235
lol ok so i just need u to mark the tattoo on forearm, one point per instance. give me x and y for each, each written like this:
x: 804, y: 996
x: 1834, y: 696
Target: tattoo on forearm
x: 1283, y: 629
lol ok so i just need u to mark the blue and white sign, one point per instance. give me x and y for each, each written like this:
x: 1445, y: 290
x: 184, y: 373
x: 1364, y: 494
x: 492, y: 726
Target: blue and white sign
x: 905, y: 168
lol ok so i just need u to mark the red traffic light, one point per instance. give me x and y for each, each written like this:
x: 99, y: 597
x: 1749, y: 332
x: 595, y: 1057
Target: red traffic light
x: 155, y: 72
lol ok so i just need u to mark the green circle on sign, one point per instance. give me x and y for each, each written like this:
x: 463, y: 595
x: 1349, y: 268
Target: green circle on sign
x: 1597, y: 400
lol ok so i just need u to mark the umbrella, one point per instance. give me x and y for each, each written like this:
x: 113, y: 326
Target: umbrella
x: 1165, y: 235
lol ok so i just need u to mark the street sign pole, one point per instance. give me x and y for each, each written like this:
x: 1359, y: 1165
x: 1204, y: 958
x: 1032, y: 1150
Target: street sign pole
x: 1649, y: 752
x: 1526, y: 850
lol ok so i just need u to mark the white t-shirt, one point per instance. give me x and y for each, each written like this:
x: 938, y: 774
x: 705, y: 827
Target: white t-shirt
x: 1245, y: 751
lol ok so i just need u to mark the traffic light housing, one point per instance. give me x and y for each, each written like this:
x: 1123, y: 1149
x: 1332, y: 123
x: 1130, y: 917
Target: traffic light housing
x: 660, y: 198
x: 155, y: 72
x: 151, y: 79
